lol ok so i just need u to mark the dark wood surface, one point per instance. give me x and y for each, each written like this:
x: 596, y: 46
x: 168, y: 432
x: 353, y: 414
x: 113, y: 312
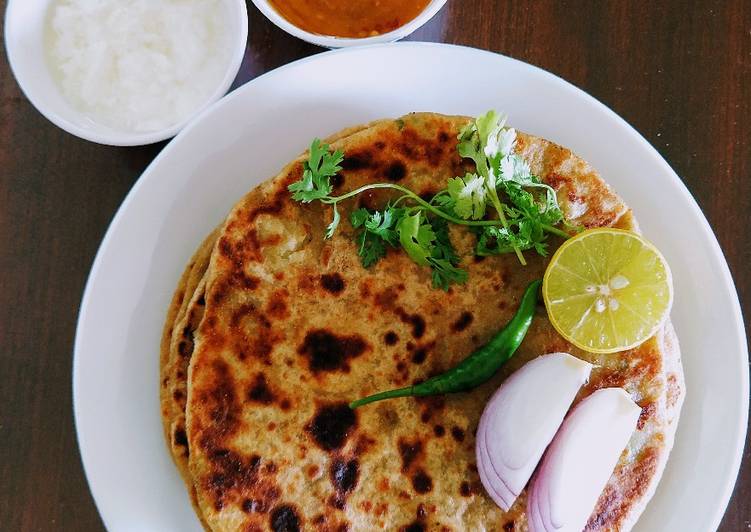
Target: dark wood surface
x: 678, y: 70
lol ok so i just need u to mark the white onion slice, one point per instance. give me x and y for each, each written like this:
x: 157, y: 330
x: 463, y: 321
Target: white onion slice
x: 521, y: 419
x: 534, y: 519
x: 493, y: 485
x: 580, y: 460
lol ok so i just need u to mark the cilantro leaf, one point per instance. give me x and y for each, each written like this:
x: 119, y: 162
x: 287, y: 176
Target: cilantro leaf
x: 494, y: 240
x: 468, y: 195
x: 501, y: 140
x: 444, y: 203
x: 416, y: 236
x: 428, y: 244
x: 358, y: 217
x: 444, y: 260
x: 491, y: 133
x: 443, y: 248
x: 515, y: 168
x: 445, y: 273
x: 370, y: 248
x: 315, y: 183
x: 377, y: 230
x: 527, y: 218
x: 469, y: 146
x: 543, y: 209
x: 486, y: 141
x: 380, y: 223
x: 322, y: 162
x: 384, y: 224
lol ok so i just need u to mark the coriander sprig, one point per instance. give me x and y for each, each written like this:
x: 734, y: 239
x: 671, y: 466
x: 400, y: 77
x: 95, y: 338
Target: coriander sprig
x: 529, y: 212
x: 486, y: 142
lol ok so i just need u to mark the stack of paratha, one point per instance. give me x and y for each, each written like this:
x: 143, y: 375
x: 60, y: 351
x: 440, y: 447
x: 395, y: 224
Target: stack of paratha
x: 273, y: 329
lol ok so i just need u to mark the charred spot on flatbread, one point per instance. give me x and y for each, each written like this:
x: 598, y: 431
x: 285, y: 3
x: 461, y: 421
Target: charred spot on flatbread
x: 332, y: 283
x: 331, y: 425
x: 285, y: 518
x: 344, y: 475
x: 327, y: 351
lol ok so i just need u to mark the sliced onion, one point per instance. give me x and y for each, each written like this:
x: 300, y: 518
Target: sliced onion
x: 521, y: 419
x: 580, y: 460
x: 493, y: 485
x: 534, y: 519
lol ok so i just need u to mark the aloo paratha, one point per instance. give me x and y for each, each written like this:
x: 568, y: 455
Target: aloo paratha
x: 294, y: 328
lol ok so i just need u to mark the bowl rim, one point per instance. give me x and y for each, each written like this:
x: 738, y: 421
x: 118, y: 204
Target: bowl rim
x: 124, y: 138
x: 329, y: 41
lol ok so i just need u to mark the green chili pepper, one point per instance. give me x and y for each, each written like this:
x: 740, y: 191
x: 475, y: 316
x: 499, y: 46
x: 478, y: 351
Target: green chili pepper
x: 478, y: 367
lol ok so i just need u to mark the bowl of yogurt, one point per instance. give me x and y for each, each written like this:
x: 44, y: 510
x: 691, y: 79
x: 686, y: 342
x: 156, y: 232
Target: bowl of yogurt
x: 125, y: 72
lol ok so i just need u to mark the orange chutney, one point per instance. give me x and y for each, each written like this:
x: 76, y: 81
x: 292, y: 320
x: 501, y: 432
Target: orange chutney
x: 349, y: 18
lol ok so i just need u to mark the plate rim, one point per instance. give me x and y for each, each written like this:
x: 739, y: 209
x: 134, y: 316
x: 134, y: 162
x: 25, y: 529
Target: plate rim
x: 726, y: 277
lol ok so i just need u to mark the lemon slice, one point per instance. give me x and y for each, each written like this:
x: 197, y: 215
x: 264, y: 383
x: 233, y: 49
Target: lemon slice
x: 607, y: 290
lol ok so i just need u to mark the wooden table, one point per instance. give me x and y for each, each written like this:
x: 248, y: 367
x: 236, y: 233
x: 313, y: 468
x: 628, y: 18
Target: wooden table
x: 679, y: 71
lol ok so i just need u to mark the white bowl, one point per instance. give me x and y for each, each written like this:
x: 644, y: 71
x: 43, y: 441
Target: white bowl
x: 341, y: 42
x: 24, y: 42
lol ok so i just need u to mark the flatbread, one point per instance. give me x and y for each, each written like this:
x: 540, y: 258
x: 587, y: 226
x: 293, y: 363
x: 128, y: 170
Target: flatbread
x: 294, y: 328
x: 183, y: 317
x: 168, y: 358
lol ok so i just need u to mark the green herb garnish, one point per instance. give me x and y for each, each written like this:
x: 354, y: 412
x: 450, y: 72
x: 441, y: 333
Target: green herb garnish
x: 507, y: 206
x: 378, y: 231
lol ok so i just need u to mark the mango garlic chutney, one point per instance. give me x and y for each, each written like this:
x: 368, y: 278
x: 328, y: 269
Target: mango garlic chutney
x: 349, y: 18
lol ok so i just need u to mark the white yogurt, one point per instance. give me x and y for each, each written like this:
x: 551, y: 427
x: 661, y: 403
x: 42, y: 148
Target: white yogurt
x: 138, y: 65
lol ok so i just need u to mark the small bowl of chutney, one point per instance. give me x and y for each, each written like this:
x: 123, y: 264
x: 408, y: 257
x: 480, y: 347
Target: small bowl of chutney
x: 342, y: 23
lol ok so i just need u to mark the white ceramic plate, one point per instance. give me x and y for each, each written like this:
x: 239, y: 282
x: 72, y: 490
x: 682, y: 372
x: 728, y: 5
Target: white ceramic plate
x: 249, y: 135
